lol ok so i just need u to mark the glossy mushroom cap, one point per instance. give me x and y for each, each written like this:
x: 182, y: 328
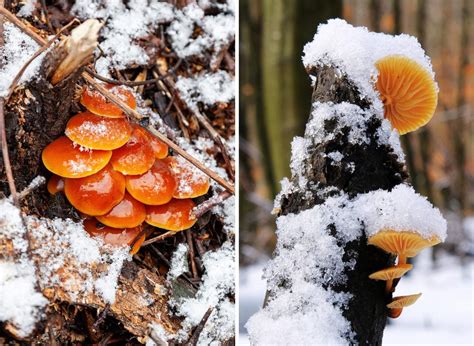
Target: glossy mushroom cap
x: 96, y: 194
x: 403, y: 243
x: 192, y: 182
x: 69, y: 160
x: 177, y: 215
x: 135, y: 157
x: 160, y: 149
x: 391, y: 273
x: 403, y: 301
x: 98, y: 104
x: 128, y: 213
x: 408, y: 92
x: 55, y: 184
x: 114, y: 236
x: 96, y: 132
x: 155, y: 187
x: 394, y: 313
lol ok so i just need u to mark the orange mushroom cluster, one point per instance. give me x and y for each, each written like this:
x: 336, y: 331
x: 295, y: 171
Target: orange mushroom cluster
x: 119, y: 176
x: 402, y: 244
x: 408, y: 92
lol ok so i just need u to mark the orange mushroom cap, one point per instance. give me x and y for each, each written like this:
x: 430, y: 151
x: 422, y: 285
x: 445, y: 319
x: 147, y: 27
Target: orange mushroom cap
x: 154, y: 187
x: 177, y: 215
x: 405, y: 243
x: 55, y: 184
x: 96, y: 132
x: 98, y: 104
x: 391, y: 273
x: 126, y: 214
x: 160, y: 149
x: 403, y: 301
x: 394, y: 313
x: 69, y: 160
x: 96, y: 194
x: 192, y: 182
x: 114, y: 236
x: 135, y: 157
x: 408, y: 92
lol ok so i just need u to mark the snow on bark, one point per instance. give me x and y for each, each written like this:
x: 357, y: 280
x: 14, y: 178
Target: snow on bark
x: 347, y: 183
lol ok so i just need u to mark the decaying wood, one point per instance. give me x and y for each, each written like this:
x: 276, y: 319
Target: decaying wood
x: 376, y: 167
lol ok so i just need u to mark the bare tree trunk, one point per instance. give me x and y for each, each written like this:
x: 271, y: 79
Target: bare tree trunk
x: 376, y: 167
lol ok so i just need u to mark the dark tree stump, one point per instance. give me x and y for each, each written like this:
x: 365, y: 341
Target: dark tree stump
x: 376, y: 167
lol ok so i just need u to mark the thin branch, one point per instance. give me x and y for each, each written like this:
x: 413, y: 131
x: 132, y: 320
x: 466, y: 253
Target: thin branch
x: 25, y: 28
x: 159, y: 238
x: 133, y: 83
x: 30, y: 60
x: 193, y: 340
x: 35, y: 183
x: 6, y: 156
x: 207, y: 205
x: 189, y: 240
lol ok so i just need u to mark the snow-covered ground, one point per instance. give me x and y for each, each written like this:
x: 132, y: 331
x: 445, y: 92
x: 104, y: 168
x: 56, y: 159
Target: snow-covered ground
x: 443, y: 315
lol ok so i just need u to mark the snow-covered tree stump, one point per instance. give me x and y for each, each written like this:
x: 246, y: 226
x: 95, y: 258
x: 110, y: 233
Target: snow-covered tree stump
x: 348, y: 182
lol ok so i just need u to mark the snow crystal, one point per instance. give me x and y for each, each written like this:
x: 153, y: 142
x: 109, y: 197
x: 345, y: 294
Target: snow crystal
x: 401, y: 209
x: 179, y: 262
x: 106, y: 285
x: 125, y: 24
x: 209, y: 88
x: 355, y: 51
x: 20, y: 302
x: 218, y: 283
x: 14, y: 53
x: 27, y: 9
x: 226, y: 210
x: 217, y: 31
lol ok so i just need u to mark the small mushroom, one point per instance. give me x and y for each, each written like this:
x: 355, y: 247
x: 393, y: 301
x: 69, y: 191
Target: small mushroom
x: 398, y: 303
x: 115, y: 236
x: 128, y: 213
x: 160, y: 149
x: 98, y: 104
x: 389, y: 274
x: 192, y: 182
x: 404, y: 244
x: 55, y: 184
x: 177, y: 215
x: 154, y: 187
x: 408, y: 92
x: 96, y: 132
x: 135, y: 157
x: 69, y: 160
x: 96, y: 194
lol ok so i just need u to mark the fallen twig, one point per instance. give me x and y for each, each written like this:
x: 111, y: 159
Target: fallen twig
x: 207, y: 205
x: 193, y: 340
x: 6, y: 155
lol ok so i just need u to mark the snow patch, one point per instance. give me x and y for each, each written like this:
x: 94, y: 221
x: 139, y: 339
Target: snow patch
x: 179, y: 262
x: 355, y: 51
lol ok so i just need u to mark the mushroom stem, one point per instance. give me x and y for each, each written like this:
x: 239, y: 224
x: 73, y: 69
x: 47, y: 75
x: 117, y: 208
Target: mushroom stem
x: 389, y: 286
x: 395, y: 312
x: 402, y: 259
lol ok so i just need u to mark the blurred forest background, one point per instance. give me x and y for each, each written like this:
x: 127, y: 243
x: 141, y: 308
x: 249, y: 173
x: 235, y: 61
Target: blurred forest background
x: 275, y: 95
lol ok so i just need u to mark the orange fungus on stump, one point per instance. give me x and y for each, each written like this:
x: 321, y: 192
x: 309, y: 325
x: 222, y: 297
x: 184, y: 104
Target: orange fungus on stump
x: 98, y: 104
x: 408, y: 92
x: 155, y: 187
x: 192, y: 182
x: 126, y: 214
x: 96, y: 194
x: 96, y: 132
x: 69, y: 160
x: 135, y: 157
x: 177, y: 215
x: 55, y: 184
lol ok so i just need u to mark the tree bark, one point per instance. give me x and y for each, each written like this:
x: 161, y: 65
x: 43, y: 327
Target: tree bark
x: 376, y: 167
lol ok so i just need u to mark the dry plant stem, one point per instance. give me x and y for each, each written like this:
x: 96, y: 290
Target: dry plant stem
x: 134, y: 114
x: 6, y: 156
x: 29, y: 189
x: 207, y: 205
x: 27, y: 30
x: 38, y: 53
x: 189, y: 240
x: 133, y: 83
x: 159, y: 238
x: 193, y: 340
